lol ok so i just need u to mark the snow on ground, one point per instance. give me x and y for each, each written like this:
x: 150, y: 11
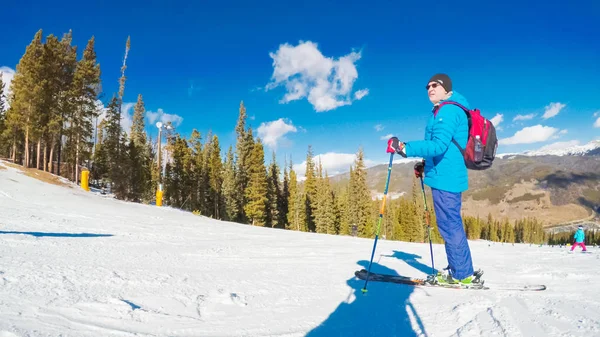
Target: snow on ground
x: 75, y: 263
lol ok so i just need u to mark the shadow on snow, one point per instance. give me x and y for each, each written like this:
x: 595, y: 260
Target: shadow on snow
x: 60, y: 235
x: 385, y: 310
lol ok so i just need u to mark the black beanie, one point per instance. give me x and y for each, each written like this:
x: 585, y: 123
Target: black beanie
x: 442, y: 79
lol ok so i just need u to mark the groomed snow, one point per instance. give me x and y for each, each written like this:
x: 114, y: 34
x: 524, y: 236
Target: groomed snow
x: 75, y: 263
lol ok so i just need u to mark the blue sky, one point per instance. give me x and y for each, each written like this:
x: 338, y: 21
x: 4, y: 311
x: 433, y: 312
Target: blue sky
x: 337, y: 75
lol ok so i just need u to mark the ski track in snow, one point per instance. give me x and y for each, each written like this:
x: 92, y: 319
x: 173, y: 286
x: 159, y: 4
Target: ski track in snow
x: 74, y: 263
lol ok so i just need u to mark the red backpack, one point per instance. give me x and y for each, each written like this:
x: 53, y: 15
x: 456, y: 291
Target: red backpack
x: 482, y: 142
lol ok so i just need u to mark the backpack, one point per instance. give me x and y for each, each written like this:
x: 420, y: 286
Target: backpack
x: 482, y: 143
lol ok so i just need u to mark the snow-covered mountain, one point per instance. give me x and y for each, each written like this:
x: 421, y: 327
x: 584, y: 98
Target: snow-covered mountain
x: 591, y: 148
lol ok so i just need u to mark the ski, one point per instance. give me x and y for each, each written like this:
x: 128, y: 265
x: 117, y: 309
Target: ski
x: 420, y: 282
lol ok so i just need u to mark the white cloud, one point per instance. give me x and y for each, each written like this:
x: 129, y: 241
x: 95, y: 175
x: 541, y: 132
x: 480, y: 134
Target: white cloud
x: 379, y: 127
x: 306, y: 73
x: 560, y: 133
x: 523, y: 117
x: 386, y: 137
x: 7, y: 76
x: 597, y: 123
x: 559, y: 145
x: 496, y: 120
x: 333, y: 163
x: 553, y: 109
x: 163, y: 117
x: 597, y: 114
x: 273, y: 132
x: 530, y: 134
x: 126, y: 114
x: 361, y: 93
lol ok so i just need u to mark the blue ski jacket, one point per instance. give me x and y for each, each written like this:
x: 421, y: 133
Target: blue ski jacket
x: 445, y: 168
x: 579, y: 235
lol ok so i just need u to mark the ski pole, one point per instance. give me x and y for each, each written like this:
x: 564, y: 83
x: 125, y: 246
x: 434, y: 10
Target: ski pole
x: 428, y: 226
x: 387, y: 182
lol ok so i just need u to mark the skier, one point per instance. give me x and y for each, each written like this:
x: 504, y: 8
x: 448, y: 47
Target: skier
x: 445, y: 173
x: 579, y: 238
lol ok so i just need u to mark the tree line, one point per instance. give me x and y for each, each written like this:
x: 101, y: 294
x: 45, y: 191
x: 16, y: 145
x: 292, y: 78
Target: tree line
x: 53, y: 115
x: 592, y: 237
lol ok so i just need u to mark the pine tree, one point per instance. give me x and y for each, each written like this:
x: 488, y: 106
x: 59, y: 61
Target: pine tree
x: 509, y: 232
x: 27, y: 93
x: 86, y: 83
x: 206, y: 197
x: 112, y: 140
x: 401, y: 232
x: 216, y: 178
x: 198, y: 186
x: 360, y: 197
x: 256, y: 193
x: 177, y: 181
x: 122, y: 79
x: 296, y: 211
x: 140, y: 178
x: 343, y: 212
x: 100, y: 157
x: 2, y: 96
x: 3, y: 138
x: 328, y: 218
x: 64, y: 66
x: 229, y: 188
x: 310, y: 191
x: 318, y: 204
x: 274, y: 195
x: 416, y: 226
x: 492, y: 228
x: 283, y: 205
x: 138, y: 135
x: 244, y: 149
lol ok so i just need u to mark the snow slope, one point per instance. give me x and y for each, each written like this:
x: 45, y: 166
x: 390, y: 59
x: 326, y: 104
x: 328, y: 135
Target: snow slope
x: 75, y: 263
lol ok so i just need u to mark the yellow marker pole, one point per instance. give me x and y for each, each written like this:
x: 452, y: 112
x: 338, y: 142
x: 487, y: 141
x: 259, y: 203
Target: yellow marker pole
x: 85, y: 175
x: 159, y: 195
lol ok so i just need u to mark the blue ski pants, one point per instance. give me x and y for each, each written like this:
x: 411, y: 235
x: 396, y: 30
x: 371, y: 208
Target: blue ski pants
x: 447, y: 207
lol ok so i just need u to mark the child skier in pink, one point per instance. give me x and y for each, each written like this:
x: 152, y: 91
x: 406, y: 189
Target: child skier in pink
x: 579, y: 238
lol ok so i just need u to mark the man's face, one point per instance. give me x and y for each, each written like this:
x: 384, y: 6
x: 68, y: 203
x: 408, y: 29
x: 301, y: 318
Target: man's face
x: 436, y: 92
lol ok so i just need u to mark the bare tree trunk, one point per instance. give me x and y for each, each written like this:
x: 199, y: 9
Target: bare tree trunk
x: 76, y: 160
x: 39, y: 149
x: 51, y: 155
x: 14, y: 150
x: 26, y: 159
x: 45, y: 157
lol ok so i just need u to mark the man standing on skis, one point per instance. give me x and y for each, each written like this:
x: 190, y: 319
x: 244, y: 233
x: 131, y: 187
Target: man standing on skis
x: 444, y: 170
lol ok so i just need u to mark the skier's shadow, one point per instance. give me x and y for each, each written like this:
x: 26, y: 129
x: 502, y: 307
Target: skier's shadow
x: 384, y: 310
x: 411, y: 260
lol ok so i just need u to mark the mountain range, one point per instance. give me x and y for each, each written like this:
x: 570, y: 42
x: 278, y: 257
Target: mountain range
x: 555, y: 185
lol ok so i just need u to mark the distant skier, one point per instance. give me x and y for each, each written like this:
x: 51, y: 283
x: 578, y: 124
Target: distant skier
x: 445, y: 172
x: 579, y: 239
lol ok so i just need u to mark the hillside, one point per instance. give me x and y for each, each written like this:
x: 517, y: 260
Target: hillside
x: 75, y: 263
x: 555, y: 186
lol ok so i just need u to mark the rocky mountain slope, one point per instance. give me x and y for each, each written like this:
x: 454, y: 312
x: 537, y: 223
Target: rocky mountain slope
x: 556, y: 185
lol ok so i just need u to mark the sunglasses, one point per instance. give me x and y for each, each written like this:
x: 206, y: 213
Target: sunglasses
x: 433, y: 85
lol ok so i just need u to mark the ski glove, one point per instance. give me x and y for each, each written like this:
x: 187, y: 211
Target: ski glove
x: 419, y: 168
x: 396, y: 146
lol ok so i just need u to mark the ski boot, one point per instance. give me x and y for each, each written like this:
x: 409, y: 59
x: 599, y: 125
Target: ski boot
x: 445, y: 277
